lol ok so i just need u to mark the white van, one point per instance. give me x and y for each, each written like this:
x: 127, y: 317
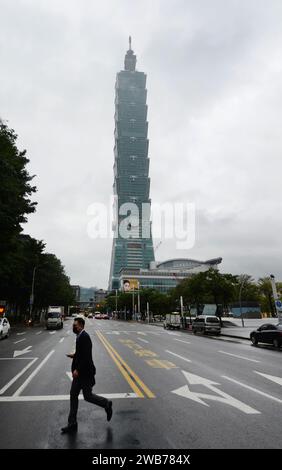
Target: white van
x: 54, y: 320
x: 206, y: 324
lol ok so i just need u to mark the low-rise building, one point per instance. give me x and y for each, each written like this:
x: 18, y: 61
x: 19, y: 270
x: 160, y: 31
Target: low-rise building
x: 163, y: 275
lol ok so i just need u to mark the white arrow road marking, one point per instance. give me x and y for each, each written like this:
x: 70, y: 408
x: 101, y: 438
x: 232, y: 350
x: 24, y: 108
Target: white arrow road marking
x: 275, y: 379
x: 24, y: 351
x: 221, y: 396
x: 17, y: 376
x: 20, y: 340
x: 33, y: 374
x: 182, y: 341
x: 69, y: 374
x: 253, y: 389
x: 19, y: 334
x: 177, y: 355
x: 239, y: 357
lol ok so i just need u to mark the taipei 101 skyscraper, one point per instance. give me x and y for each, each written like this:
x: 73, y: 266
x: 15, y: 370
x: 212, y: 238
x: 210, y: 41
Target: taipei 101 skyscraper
x: 132, y: 243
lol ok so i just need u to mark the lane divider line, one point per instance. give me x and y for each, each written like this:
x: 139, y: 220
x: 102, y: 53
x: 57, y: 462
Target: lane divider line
x: 252, y: 389
x: 20, y: 340
x: 128, y: 371
x: 177, y: 355
x: 239, y: 357
x: 182, y: 341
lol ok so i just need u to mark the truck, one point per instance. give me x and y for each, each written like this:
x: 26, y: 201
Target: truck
x: 55, y: 317
x: 172, y: 321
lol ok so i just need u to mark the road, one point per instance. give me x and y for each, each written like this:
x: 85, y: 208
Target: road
x: 170, y: 389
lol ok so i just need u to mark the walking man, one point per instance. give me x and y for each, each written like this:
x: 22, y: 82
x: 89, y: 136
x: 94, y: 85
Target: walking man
x: 83, y: 373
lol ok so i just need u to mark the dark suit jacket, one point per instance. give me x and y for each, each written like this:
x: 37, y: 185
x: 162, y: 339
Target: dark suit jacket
x: 82, y: 360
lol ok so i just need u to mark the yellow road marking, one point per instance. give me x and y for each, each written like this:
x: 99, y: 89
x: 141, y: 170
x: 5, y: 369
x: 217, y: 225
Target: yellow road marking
x: 159, y: 364
x: 121, y: 369
x: 118, y: 358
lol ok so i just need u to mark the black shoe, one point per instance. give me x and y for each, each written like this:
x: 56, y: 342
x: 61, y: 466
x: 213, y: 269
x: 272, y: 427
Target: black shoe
x: 109, y: 410
x: 69, y: 429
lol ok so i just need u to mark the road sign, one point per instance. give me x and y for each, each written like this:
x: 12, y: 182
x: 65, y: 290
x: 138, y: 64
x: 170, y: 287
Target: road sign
x: 278, y: 304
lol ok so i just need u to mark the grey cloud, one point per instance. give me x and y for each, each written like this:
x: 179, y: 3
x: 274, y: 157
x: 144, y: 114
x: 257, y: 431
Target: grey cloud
x: 214, y: 95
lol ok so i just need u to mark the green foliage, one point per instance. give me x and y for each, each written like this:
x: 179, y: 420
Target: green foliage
x: 20, y: 254
x: 213, y: 287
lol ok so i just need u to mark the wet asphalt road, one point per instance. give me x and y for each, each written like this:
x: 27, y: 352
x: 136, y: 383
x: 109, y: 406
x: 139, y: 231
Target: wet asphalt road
x: 169, y: 390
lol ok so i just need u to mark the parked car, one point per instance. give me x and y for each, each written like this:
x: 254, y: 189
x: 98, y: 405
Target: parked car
x: 206, y: 324
x: 4, y: 328
x: 105, y: 316
x: 267, y: 333
x: 90, y: 315
x: 98, y: 315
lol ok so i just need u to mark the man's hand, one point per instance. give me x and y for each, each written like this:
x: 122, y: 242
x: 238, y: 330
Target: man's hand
x: 75, y: 374
x: 71, y: 355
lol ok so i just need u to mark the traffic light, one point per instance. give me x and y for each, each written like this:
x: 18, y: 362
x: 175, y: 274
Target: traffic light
x: 2, y: 310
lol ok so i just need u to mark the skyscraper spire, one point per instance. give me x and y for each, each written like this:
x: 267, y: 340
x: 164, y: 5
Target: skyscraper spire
x: 130, y: 59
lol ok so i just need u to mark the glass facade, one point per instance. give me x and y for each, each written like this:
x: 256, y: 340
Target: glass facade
x: 167, y: 274
x: 131, y: 170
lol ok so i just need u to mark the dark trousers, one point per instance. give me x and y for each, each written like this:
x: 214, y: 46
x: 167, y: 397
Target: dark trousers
x: 87, y: 395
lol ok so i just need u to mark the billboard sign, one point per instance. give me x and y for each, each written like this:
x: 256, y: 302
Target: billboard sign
x: 130, y: 284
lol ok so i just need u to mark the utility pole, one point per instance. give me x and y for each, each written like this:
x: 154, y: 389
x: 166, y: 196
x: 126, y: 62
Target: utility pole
x: 116, y: 304
x: 181, y: 311
x: 138, y: 300
x: 243, y: 280
x: 31, y: 301
x: 133, y: 301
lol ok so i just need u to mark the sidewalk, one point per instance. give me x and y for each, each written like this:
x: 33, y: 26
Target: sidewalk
x: 234, y: 328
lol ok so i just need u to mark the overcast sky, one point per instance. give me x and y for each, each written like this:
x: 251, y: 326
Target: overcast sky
x: 214, y: 109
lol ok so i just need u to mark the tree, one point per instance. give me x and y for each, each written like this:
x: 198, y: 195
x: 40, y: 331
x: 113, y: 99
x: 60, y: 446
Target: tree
x: 52, y: 285
x: 15, y: 203
x: 213, y: 287
x: 266, y: 293
x: 21, y: 256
